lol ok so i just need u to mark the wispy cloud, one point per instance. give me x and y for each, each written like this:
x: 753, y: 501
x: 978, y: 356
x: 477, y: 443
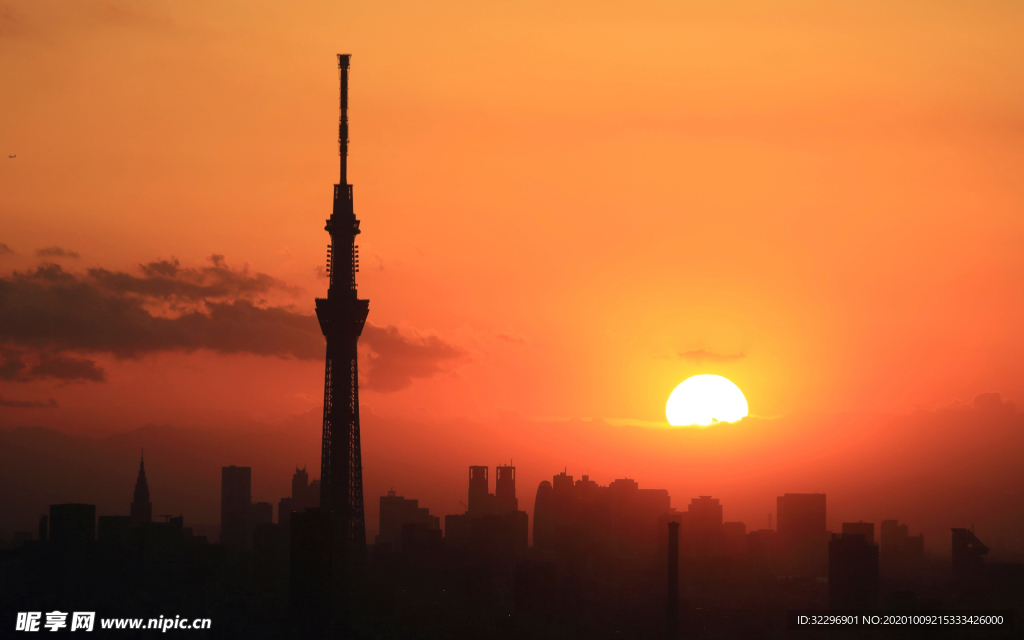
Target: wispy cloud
x: 57, y: 252
x: 700, y: 355
x: 511, y: 337
x: 28, y: 404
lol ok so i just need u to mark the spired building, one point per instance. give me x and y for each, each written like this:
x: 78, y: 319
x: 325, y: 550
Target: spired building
x: 142, y: 508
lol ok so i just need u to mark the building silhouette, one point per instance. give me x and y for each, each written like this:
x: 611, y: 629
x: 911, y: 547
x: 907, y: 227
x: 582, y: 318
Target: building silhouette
x: 115, y: 530
x: 300, y: 484
x: 262, y: 513
x: 672, y: 601
x: 505, y: 487
x: 852, y: 572
x: 577, y: 519
x: 866, y: 529
x: 304, y: 494
x: 901, y: 555
x: 803, y: 541
x: 701, y: 529
x: 236, y: 507
x: 734, y: 538
x: 309, y: 572
x: 400, y: 517
x: 968, y: 557
x: 71, y: 537
x: 479, y: 489
x: 490, y: 522
x: 142, y: 508
x: 763, y: 549
x: 72, y: 524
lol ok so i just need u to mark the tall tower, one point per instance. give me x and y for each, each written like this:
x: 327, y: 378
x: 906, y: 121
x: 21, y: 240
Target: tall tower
x: 342, y: 315
x: 142, y: 508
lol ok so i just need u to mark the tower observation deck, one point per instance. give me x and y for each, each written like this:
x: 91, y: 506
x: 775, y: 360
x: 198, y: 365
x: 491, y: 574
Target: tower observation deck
x: 342, y: 315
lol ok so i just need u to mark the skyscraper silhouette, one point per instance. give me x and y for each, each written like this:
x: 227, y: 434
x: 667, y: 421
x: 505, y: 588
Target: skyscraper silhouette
x: 301, y: 497
x: 236, y: 507
x: 142, y: 508
x: 505, y: 486
x: 672, y: 609
x: 300, y: 486
x: 852, y: 571
x: 800, y: 518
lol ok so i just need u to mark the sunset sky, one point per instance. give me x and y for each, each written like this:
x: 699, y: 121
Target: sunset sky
x: 567, y: 209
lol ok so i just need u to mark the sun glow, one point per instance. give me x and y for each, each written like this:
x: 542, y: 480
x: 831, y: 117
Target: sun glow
x: 704, y: 400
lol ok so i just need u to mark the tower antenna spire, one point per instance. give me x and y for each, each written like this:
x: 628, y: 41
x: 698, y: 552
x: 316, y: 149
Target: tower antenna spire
x: 343, y: 62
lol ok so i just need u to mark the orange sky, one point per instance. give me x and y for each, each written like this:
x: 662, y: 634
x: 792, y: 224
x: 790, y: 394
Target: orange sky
x: 820, y: 201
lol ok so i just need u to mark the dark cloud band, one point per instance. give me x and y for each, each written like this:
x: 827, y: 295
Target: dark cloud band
x: 214, y: 308
x: 49, y: 317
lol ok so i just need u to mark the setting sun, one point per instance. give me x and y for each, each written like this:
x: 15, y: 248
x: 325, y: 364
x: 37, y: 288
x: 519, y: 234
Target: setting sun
x: 704, y: 400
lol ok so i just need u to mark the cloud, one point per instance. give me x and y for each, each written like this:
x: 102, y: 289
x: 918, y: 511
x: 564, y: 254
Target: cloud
x: 396, y: 360
x: 4, y: 249
x: 64, y: 367
x: 167, y: 280
x: 51, y: 318
x: 11, y: 366
x: 57, y: 252
x: 700, y: 355
x: 14, y: 366
x: 164, y: 307
x: 992, y: 404
x: 28, y: 404
x: 513, y: 338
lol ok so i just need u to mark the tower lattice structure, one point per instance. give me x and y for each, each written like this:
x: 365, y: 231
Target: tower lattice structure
x: 342, y: 316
